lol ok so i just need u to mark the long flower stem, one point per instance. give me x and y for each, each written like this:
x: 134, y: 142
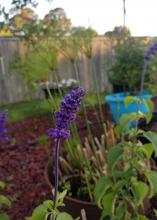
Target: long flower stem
x: 90, y: 133
x: 76, y: 72
x: 142, y: 77
x: 50, y: 96
x: 56, y: 173
x: 98, y: 93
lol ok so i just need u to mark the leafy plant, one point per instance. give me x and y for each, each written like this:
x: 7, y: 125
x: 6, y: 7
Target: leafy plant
x: 130, y: 181
x: 45, y: 211
x: 38, y: 64
x: 150, y: 65
x: 68, y: 108
x: 4, y: 201
x: 88, y: 161
x: 127, y: 65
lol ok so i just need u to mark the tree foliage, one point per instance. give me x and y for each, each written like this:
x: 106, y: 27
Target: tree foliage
x: 119, y: 32
x: 18, y: 16
x: 20, y: 22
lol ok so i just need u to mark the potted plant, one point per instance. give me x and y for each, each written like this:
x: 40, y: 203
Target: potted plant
x: 80, y: 169
x: 131, y: 181
x: 68, y: 108
x: 126, y: 71
x: 111, y: 162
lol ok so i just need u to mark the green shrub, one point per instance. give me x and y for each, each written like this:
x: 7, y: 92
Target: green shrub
x: 127, y: 65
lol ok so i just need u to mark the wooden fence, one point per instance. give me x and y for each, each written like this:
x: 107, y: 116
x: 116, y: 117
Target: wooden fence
x: 14, y: 89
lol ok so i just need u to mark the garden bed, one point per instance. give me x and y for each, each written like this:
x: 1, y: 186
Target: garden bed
x: 22, y: 162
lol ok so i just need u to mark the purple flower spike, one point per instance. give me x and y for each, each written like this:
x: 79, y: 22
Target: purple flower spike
x: 152, y: 50
x: 55, y: 133
x: 68, y: 109
x: 3, y: 130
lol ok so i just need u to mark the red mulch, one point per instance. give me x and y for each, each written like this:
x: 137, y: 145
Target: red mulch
x: 24, y: 166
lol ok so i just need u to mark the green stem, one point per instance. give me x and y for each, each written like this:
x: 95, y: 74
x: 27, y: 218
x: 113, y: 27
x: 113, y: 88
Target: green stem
x: 76, y: 72
x: 91, y: 136
x: 98, y: 94
x: 59, y: 89
x: 50, y: 95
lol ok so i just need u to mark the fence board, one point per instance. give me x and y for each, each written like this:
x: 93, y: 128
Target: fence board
x: 14, y: 89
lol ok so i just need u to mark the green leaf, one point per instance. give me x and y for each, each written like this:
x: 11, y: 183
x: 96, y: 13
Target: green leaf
x: 122, y: 174
x: 152, y: 137
x: 150, y: 105
x: 129, y: 99
x: 43, y: 139
x: 61, y: 195
x: 147, y: 149
x: 65, y: 216
x: 126, y: 119
x: 101, y: 187
x: 119, y: 185
x: 10, y: 178
x: 140, y: 190
x: 4, y: 216
x: 121, y: 210
x: 104, y: 216
x: 129, y: 118
x: 117, y: 131
x: 39, y: 213
x: 48, y: 204
x: 148, y: 117
x: 2, y: 185
x: 152, y: 179
x: 4, y: 201
x: 60, y: 198
x: 142, y: 217
x: 109, y: 203
x: 114, y: 156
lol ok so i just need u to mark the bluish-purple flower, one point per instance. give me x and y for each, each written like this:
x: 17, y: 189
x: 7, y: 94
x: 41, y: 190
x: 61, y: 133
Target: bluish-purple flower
x: 152, y: 50
x: 68, y: 107
x: 56, y: 133
x: 3, y: 130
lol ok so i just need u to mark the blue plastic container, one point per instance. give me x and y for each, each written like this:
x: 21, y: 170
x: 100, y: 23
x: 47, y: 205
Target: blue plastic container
x: 118, y: 108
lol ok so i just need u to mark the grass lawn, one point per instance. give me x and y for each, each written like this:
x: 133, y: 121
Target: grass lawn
x: 21, y: 110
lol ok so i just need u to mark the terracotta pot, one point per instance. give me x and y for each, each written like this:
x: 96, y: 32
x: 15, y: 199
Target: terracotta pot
x: 72, y: 205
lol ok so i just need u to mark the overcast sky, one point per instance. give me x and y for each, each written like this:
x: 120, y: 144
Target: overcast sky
x: 104, y: 15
